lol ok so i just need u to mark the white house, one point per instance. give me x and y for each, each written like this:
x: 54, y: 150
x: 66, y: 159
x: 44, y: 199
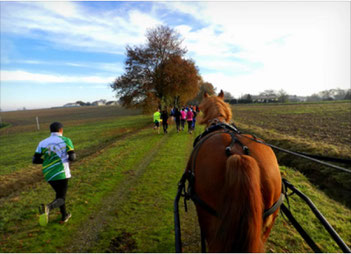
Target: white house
x: 99, y: 103
x: 69, y: 105
x: 112, y: 103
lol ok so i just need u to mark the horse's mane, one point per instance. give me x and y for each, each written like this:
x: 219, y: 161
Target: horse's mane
x: 240, y: 203
x: 214, y: 107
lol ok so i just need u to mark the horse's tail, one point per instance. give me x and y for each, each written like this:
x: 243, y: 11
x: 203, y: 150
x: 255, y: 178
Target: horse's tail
x: 240, y: 225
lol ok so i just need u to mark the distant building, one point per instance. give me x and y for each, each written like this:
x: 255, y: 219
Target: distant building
x: 264, y: 98
x: 112, y: 103
x: 295, y: 98
x: 99, y: 103
x: 69, y: 105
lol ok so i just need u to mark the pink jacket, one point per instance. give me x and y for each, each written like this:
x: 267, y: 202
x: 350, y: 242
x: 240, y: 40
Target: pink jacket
x: 189, y: 115
x: 183, y: 114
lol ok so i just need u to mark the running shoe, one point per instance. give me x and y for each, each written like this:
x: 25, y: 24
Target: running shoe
x: 67, y: 217
x: 44, y: 215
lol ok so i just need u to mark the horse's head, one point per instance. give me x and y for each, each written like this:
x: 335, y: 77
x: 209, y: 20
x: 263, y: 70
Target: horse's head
x: 214, y: 107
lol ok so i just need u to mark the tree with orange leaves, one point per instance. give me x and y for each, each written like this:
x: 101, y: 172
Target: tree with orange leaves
x: 157, y: 73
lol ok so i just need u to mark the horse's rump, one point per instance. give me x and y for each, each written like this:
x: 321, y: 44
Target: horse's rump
x: 222, y: 181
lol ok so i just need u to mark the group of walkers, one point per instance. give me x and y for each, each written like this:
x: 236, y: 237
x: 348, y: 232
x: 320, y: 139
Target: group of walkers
x: 185, y: 114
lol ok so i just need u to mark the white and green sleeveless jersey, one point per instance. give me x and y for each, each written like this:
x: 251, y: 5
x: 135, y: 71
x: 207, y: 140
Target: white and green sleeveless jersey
x: 54, y: 149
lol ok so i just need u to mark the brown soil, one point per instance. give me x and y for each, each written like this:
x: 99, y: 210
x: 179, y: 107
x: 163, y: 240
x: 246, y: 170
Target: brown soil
x: 122, y: 244
x: 321, y: 122
x: 19, y: 180
x: 319, y: 129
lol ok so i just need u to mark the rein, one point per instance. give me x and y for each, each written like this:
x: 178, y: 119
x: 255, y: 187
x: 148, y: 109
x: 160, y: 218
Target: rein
x: 232, y: 130
x: 189, y: 176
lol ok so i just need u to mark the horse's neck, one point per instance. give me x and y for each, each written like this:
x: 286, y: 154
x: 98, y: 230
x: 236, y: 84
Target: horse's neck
x: 215, y: 120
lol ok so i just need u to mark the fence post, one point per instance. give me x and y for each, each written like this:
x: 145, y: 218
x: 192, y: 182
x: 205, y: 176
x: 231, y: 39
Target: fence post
x: 38, y: 127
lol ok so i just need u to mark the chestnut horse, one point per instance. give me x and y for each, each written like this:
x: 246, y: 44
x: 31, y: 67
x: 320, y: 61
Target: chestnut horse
x: 239, y: 187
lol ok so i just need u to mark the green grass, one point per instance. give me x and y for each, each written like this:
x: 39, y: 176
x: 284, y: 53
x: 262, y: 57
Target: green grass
x: 25, y: 120
x: 17, y: 149
x: 284, y: 238
x: 150, y: 202
x: 90, y: 182
x: 121, y: 197
x: 4, y: 125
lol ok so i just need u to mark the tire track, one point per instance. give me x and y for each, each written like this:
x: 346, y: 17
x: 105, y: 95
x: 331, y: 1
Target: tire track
x: 189, y: 225
x: 88, y: 233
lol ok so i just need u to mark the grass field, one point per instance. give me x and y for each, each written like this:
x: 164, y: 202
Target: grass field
x: 122, y: 191
x: 25, y: 120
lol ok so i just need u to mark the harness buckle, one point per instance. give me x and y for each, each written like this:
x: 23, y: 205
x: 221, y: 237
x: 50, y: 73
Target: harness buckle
x: 228, y: 151
x: 246, y: 150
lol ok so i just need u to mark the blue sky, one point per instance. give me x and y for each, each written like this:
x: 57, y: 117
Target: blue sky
x: 53, y: 53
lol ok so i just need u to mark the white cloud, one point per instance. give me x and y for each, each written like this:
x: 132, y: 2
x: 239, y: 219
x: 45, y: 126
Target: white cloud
x: 242, y: 47
x: 195, y: 9
x: 13, y: 76
x: 71, y: 25
x: 62, y: 8
x: 142, y: 21
x: 115, y: 68
x: 299, y: 47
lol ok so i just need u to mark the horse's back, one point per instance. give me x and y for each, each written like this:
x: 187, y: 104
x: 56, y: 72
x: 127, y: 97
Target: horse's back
x: 209, y: 168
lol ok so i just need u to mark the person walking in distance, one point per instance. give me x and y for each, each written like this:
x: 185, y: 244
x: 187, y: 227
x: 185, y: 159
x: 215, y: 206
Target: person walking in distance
x: 157, y: 120
x: 57, y: 152
x: 172, y: 113
x: 194, y: 119
x: 164, y: 117
x: 189, y: 119
x: 177, y: 117
x: 182, y: 118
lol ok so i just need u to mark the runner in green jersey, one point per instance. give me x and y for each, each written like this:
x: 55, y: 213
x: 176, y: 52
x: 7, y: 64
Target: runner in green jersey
x: 57, y: 151
x: 157, y: 120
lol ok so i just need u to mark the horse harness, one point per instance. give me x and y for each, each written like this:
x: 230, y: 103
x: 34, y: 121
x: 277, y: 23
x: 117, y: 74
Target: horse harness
x: 189, y: 175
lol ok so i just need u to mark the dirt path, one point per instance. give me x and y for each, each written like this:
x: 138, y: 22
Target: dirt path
x: 87, y: 235
x: 189, y: 225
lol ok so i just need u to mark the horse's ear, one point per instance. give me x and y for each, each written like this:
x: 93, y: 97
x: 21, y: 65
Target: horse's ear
x: 221, y: 94
x: 205, y: 94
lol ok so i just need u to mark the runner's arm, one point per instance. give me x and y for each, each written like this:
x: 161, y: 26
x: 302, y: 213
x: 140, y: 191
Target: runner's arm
x: 70, y: 149
x: 71, y: 155
x: 37, y: 159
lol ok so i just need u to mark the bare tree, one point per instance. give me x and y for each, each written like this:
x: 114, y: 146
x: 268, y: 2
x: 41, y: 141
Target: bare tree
x: 203, y: 87
x: 228, y: 96
x: 150, y: 79
x: 283, y: 96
